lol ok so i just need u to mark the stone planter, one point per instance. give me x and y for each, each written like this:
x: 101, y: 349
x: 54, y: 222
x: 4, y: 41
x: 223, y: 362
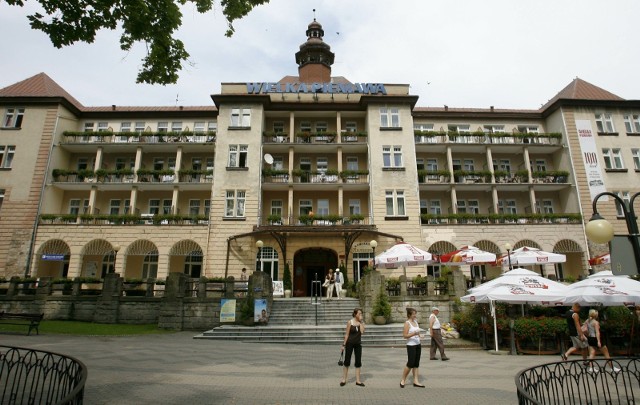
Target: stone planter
x: 379, y: 320
x: 287, y: 293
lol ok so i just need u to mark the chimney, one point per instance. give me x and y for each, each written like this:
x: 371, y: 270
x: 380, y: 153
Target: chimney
x: 446, y: 107
x: 113, y: 107
x: 491, y: 108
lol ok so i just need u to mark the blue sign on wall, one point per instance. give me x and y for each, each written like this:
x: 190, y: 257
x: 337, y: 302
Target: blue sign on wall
x: 53, y: 257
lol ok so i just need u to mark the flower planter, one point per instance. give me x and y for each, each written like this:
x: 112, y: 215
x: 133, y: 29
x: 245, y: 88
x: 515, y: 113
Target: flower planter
x: 379, y: 320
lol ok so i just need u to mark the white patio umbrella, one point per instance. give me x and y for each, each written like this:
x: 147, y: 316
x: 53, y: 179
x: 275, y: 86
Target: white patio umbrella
x: 527, y: 256
x: 467, y: 255
x: 518, y: 286
x: 403, y: 254
x: 606, y: 289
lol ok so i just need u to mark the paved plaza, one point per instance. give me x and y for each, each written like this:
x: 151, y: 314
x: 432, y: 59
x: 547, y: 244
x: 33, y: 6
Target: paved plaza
x: 177, y: 369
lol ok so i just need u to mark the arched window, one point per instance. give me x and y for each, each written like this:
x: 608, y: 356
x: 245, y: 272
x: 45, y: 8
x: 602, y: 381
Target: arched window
x: 193, y: 264
x: 150, y: 265
x: 108, y: 263
x: 267, y: 261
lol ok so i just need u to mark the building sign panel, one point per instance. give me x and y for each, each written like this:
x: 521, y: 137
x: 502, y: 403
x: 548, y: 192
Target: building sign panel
x: 329, y: 88
x: 592, y: 167
x: 52, y: 257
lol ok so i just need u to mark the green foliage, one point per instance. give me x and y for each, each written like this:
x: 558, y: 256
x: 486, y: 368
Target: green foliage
x: 393, y: 282
x: 286, y: 278
x: 539, y: 327
x: 381, y: 306
x: 618, y: 321
x: 152, y: 23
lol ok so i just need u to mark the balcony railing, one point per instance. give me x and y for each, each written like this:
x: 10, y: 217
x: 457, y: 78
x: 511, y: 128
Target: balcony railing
x: 500, y: 219
x: 352, y: 137
x: 434, y: 137
x: 139, y: 137
x: 317, y: 220
x: 142, y: 219
x: 127, y: 176
x: 316, y: 137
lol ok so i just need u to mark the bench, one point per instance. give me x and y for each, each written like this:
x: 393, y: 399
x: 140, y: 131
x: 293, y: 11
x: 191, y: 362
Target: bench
x: 31, y: 320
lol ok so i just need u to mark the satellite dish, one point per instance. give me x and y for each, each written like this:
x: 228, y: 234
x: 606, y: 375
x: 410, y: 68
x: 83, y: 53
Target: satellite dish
x: 268, y: 158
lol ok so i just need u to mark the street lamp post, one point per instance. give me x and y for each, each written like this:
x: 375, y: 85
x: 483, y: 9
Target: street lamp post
x: 374, y: 245
x: 116, y: 249
x: 599, y: 230
x: 508, y: 247
x: 259, y: 245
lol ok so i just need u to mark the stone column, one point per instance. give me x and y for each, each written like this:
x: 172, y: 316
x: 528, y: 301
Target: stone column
x: 171, y: 309
x: 108, y: 304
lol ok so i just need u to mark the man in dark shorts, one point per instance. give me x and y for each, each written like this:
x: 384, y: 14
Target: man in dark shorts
x: 578, y: 338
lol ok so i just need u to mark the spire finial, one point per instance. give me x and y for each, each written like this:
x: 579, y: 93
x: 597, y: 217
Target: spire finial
x: 314, y: 14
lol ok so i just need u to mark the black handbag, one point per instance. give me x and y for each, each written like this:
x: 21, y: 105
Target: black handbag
x: 340, y: 362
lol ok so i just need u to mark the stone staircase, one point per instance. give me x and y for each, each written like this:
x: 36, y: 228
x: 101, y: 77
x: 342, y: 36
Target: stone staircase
x: 293, y: 321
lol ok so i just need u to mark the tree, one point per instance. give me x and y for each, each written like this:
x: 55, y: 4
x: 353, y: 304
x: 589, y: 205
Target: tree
x: 150, y: 21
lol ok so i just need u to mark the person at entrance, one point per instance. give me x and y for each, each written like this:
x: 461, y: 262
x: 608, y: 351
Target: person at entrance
x: 352, y: 344
x: 339, y: 281
x: 330, y: 282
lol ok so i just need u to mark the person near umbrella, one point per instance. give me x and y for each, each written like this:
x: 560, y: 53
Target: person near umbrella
x: 352, y: 344
x: 578, y: 337
x: 339, y: 280
x: 436, y: 335
x: 595, y: 340
x: 411, y: 332
x: 330, y: 283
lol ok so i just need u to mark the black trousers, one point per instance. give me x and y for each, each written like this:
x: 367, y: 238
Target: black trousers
x: 348, y: 350
x: 413, y: 356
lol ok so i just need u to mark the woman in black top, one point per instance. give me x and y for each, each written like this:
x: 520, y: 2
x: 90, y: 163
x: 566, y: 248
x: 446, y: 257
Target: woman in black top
x: 352, y: 339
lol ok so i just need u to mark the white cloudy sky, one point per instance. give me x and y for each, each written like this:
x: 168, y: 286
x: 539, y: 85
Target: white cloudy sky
x: 465, y: 53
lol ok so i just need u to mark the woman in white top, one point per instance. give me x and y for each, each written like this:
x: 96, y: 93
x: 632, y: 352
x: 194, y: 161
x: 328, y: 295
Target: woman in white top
x: 596, y: 340
x: 411, y: 332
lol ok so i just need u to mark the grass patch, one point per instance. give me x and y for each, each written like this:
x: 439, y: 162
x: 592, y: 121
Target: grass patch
x: 86, y: 328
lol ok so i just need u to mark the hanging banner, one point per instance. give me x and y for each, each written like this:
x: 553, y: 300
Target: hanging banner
x: 592, y: 167
x: 227, y: 310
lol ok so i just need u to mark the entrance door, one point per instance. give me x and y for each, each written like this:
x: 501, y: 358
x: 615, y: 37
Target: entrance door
x: 307, y: 264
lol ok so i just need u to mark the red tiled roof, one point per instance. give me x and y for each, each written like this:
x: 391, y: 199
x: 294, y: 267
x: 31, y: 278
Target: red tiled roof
x: 472, y: 110
x: 39, y: 85
x: 579, y: 89
x: 150, y: 108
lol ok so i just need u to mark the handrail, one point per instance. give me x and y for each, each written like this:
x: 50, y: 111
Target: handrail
x: 572, y: 382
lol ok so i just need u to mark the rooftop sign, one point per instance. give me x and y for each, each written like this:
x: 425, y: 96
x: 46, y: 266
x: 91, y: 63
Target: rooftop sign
x: 329, y: 88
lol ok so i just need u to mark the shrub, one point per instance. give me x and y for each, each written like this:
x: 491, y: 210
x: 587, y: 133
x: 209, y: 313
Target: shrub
x: 381, y: 306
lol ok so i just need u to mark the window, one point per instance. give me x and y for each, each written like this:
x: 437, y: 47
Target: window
x: 494, y: 129
x: 321, y: 165
x: 103, y: 126
x: 352, y: 163
x: 321, y: 126
x: 507, y: 207
x: 88, y: 126
x: 82, y: 164
x: 469, y: 165
x: 276, y: 207
x: 547, y: 206
x: 278, y: 163
x: 1, y: 197
x: 604, y: 122
x: 176, y: 126
x: 278, y: 127
x: 13, y: 118
x: 636, y: 158
x: 74, y: 206
x: 158, y: 163
x: 166, y: 207
x: 207, y: 207
x: 528, y: 129
x: 354, y: 206
x: 627, y: 200
x: 394, y: 200
x: 423, y: 127
x: 241, y: 117
x: 612, y: 158
x: 305, y: 126
x: 154, y: 207
x: 114, y: 207
x: 323, y: 207
x: 350, y: 126
x: 124, y: 163
x: 473, y: 207
x: 389, y: 117
x: 502, y: 164
x: 139, y: 127
x: 6, y: 156
x: 238, y: 155
x: 539, y: 165
x: 305, y: 207
x: 150, y: 265
x: 163, y: 126
x: 125, y: 127
x: 632, y: 123
x: 460, y: 128
x: 212, y: 126
x: 235, y: 203
x: 194, y: 207
x: 392, y: 159
x: 198, y: 126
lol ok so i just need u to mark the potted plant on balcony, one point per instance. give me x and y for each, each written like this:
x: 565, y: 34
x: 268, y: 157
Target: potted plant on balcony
x: 356, y: 218
x: 381, y: 310
x: 274, y: 219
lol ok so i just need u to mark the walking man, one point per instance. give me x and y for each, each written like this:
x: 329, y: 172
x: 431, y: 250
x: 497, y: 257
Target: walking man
x: 578, y: 337
x: 338, y: 282
x: 436, y: 335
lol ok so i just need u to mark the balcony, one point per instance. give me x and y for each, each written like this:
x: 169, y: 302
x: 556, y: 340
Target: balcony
x: 127, y: 176
x: 69, y: 137
x: 500, y: 219
x: 434, y: 176
x: 316, y: 137
x: 517, y: 138
x: 127, y: 219
x: 334, y: 220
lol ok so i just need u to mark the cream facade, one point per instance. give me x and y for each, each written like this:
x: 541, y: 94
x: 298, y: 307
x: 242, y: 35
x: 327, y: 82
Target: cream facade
x: 276, y: 174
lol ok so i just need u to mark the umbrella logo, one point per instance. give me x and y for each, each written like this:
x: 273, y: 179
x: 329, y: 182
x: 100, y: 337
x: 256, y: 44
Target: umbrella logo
x: 520, y: 291
x: 542, y: 259
x: 611, y: 291
x: 533, y: 283
x: 609, y: 282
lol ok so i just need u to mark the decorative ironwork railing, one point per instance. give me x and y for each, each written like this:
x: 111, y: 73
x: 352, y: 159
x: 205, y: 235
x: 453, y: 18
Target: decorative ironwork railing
x: 573, y: 382
x: 38, y: 377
